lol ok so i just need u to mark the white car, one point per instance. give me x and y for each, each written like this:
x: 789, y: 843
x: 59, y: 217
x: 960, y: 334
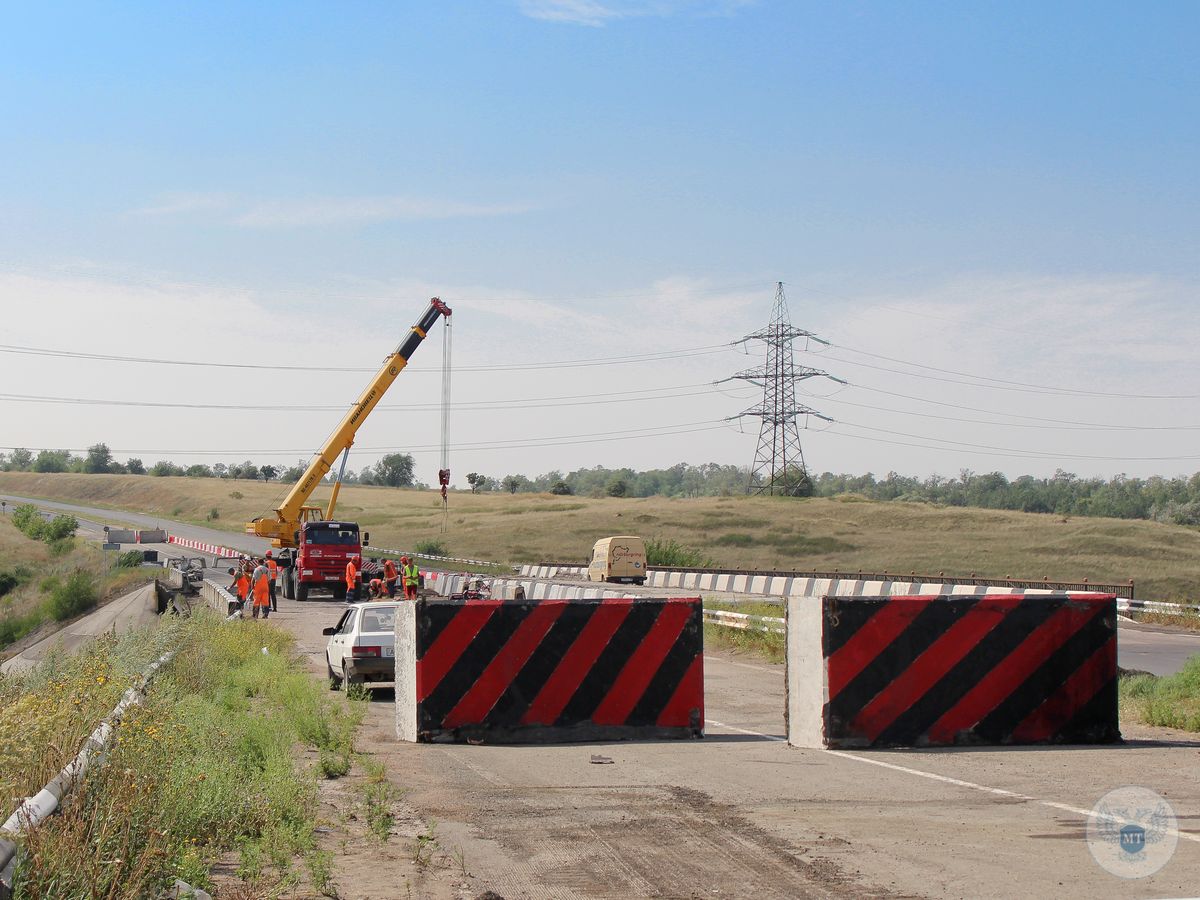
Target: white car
x: 362, y: 645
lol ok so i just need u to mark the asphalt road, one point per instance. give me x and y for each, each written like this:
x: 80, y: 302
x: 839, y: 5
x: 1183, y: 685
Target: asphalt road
x: 742, y: 814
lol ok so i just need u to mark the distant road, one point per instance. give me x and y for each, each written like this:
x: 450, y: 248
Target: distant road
x: 1158, y: 650
x: 135, y: 609
x: 248, y: 543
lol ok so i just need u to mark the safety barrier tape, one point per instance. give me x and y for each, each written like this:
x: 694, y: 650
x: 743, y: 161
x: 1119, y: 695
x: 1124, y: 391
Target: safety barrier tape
x: 213, y: 549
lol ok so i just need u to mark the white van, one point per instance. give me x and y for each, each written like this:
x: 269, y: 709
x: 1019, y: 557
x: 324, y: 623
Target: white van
x: 620, y: 558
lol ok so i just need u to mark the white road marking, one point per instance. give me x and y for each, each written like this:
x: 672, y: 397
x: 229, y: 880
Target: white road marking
x: 769, y: 737
x: 957, y: 782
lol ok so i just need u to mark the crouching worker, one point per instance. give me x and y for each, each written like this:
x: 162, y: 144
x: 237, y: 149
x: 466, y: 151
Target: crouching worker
x: 375, y: 590
x: 240, y: 588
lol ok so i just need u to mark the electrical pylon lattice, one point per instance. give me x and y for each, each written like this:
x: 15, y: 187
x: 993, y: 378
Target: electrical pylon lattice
x: 779, y: 460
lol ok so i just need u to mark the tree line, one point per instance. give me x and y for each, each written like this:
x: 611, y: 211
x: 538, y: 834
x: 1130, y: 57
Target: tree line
x: 1174, y: 500
x: 393, y: 470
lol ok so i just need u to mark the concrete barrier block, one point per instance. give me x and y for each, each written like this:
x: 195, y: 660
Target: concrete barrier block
x: 151, y: 536
x: 121, y: 536
x: 913, y: 671
x: 555, y: 670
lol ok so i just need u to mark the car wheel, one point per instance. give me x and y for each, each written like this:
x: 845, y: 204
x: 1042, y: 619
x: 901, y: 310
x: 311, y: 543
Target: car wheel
x: 335, y: 680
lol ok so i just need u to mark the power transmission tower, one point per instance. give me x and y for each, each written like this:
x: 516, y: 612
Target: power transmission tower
x: 779, y: 460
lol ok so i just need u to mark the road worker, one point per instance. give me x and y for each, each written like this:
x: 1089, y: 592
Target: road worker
x: 260, y: 581
x: 412, y: 577
x: 352, y: 579
x: 241, y: 588
x: 376, y: 590
x: 273, y: 568
x: 389, y: 577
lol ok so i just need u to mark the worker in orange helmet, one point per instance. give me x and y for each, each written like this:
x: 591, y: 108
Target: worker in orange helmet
x: 389, y: 577
x: 412, y: 577
x: 352, y: 579
x: 273, y: 569
x: 261, y: 587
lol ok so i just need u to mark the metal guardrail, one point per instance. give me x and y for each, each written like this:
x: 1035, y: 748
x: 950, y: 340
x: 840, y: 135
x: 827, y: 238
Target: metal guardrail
x: 744, y: 621
x: 776, y: 625
x: 384, y: 551
x: 34, y: 810
x: 1125, y: 590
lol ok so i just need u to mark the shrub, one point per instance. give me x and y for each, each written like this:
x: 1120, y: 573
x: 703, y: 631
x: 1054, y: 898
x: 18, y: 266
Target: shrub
x: 131, y: 559
x: 431, y: 548
x: 60, y: 527
x: 77, y: 594
x: 27, y: 518
x: 667, y: 552
x: 236, y: 495
x: 11, y: 579
x: 214, y: 514
x: 13, y: 628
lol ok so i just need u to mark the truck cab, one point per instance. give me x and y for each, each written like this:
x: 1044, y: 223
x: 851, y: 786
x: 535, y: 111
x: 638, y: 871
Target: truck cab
x: 318, y: 562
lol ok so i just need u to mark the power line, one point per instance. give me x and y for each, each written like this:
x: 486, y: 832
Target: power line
x: 1003, y: 451
x: 998, y: 383
x: 658, y: 356
x: 516, y: 403
x: 1062, y: 426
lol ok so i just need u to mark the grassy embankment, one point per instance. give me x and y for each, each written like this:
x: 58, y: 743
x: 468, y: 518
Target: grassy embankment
x: 845, y: 533
x: 1172, y: 701
x: 208, y: 766
x: 43, y: 582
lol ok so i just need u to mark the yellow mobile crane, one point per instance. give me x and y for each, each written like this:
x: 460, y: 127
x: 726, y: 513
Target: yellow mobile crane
x: 316, y: 547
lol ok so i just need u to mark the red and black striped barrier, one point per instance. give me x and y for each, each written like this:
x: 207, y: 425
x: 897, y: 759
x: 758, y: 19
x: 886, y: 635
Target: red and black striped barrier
x: 550, y: 670
x: 943, y: 670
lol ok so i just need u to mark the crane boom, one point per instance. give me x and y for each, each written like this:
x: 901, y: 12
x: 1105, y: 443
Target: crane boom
x: 295, y: 509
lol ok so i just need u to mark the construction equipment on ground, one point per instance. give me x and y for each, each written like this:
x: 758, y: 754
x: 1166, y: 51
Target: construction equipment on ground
x: 316, y: 547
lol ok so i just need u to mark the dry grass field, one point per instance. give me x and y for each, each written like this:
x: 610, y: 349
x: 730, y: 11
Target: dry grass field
x: 846, y: 533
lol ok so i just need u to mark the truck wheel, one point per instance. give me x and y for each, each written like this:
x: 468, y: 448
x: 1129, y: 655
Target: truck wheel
x: 335, y: 680
x: 289, y: 584
x: 301, y: 591
x: 339, y: 592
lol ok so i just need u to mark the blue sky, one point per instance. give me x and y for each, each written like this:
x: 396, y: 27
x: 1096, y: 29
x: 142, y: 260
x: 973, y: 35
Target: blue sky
x: 985, y: 188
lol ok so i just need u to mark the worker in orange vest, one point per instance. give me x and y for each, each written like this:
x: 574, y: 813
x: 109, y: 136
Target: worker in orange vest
x: 389, y: 577
x: 273, y: 569
x: 241, y: 587
x: 352, y: 579
x: 261, y: 586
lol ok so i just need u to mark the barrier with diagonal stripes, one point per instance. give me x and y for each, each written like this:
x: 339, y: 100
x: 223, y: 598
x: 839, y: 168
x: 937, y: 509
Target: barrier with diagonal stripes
x: 938, y: 670
x: 549, y: 670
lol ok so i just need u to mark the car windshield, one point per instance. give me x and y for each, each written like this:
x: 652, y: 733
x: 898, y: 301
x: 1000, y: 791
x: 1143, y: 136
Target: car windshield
x: 332, y: 536
x: 378, y: 620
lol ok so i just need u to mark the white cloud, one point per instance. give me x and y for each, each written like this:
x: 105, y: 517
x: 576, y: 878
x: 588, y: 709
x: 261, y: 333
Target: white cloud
x: 174, y: 203
x: 319, y: 211
x: 597, y: 13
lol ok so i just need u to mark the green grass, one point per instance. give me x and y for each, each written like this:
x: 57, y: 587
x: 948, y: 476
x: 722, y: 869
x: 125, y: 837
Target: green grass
x: 768, y: 645
x: 1172, y: 701
x: 207, y: 765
